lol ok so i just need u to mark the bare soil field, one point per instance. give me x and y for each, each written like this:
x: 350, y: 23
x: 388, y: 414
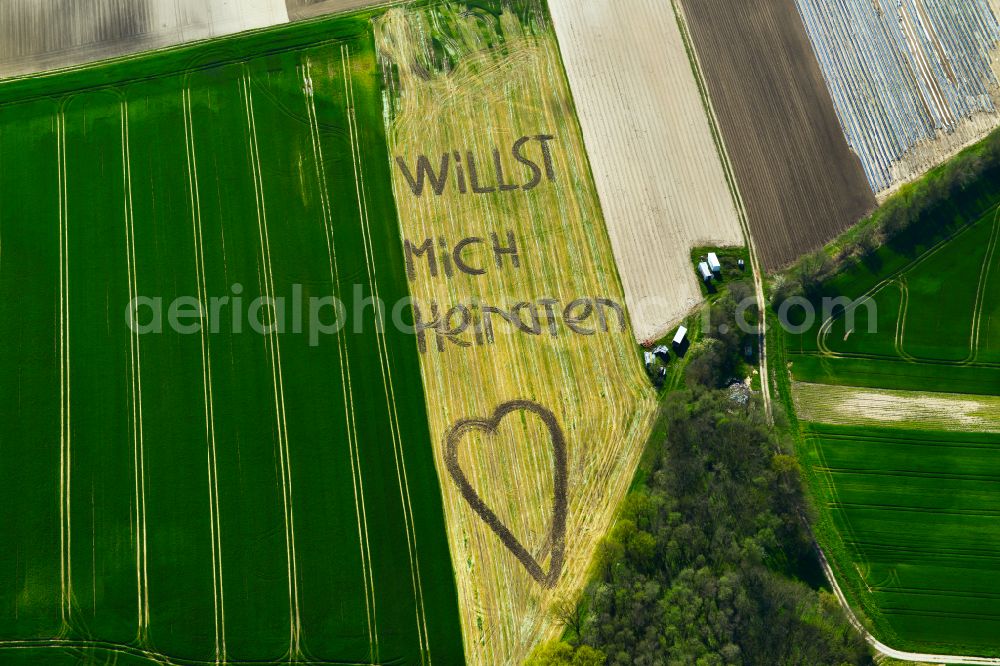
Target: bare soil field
x: 41, y: 35
x: 847, y: 405
x: 304, y: 9
x: 799, y: 181
x: 658, y: 172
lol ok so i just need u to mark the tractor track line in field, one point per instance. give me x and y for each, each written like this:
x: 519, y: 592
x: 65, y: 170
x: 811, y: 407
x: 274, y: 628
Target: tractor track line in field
x: 295, y: 622
x: 218, y: 599
x: 894, y: 359
x: 151, y: 655
x: 139, y: 457
x: 834, y: 494
x: 65, y: 433
x: 881, y: 647
x: 345, y: 368
x: 977, y: 308
x: 878, y: 646
x: 977, y: 313
x: 904, y: 309
x: 387, y: 382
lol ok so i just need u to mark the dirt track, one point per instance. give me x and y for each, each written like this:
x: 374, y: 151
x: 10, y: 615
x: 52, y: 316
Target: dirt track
x: 40, y: 35
x: 800, y: 182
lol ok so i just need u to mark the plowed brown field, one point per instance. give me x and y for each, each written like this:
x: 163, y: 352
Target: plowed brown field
x: 800, y: 182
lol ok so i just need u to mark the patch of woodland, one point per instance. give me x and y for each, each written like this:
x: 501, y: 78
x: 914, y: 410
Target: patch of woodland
x: 718, y: 359
x: 709, y: 561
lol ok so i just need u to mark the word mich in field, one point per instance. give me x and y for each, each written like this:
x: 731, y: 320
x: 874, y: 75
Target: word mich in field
x: 465, y: 325
x: 450, y: 258
x: 467, y: 176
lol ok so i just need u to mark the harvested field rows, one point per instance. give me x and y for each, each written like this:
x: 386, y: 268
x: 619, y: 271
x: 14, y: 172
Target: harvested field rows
x: 538, y: 413
x: 39, y: 35
x: 910, y: 521
x: 912, y: 81
x: 655, y: 160
x: 800, y: 183
x: 237, y: 492
x: 845, y: 405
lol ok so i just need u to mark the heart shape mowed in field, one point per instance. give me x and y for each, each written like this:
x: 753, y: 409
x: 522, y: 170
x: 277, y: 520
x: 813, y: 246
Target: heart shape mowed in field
x: 557, y: 532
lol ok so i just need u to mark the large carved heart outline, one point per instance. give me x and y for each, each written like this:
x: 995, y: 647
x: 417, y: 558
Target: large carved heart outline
x: 557, y: 532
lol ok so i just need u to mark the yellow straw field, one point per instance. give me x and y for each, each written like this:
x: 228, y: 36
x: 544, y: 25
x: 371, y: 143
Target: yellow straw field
x: 537, y: 400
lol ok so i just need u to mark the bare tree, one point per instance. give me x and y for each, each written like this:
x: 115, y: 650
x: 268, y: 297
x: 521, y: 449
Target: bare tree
x: 569, y: 614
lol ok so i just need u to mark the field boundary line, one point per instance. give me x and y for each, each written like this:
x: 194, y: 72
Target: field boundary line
x: 295, y: 622
x: 384, y: 361
x: 65, y: 433
x: 345, y: 369
x: 218, y: 590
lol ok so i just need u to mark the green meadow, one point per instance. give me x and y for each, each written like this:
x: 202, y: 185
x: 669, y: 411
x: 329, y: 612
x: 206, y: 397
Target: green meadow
x: 207, y: 496
x: 926, y: 318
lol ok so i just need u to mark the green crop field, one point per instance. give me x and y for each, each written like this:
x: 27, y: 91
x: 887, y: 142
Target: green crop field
x: 906, y: 512
x: 931, y: 316
x: 909, y: 519
x: 202, y: 496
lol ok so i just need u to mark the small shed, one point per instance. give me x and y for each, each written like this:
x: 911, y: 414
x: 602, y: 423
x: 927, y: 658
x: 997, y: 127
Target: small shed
x: 680, y: 336
x: 705, y: 271
x: 713, y: 263
x: 650, y: 359
x: 662, y: 353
